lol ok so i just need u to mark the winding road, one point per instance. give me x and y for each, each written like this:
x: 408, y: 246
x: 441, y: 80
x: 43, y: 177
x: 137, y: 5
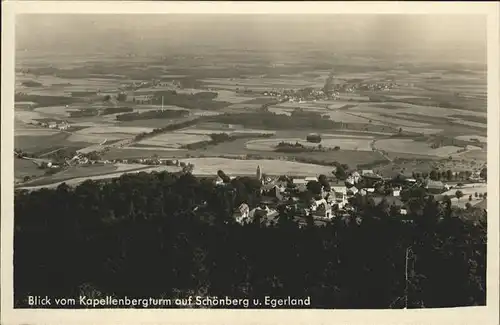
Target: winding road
x: 382, y: 153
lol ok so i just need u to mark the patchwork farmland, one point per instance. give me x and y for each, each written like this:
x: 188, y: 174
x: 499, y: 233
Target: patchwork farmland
x: 426, y: 112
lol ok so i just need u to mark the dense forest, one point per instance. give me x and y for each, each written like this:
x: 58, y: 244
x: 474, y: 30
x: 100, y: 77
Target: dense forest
x: 161, y: 113
x: 31, y: 83
x: 116, y: 110
x: 199, y: 100
x: 173, y: 235
x: 84, y: 112
x: 299, y: 147
x: 216, y: 138
x: 269, y: 120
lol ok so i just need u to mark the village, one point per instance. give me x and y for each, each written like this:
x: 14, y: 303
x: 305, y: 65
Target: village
x: 323, y: 198
x: 60, y: 125
x: 329, y: 92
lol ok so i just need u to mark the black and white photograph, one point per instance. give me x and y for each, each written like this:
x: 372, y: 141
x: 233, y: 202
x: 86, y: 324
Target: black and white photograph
x: 261, y: 161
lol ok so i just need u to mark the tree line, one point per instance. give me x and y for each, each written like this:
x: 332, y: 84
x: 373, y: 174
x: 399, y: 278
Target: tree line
x: 217, y: 138
x: 449, y: 175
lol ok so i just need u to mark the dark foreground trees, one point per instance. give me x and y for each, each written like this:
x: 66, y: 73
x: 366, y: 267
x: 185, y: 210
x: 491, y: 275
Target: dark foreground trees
x: 164, y: 235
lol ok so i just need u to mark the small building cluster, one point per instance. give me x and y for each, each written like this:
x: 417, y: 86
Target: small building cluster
x: 61, y: 125
x: 351, y: 87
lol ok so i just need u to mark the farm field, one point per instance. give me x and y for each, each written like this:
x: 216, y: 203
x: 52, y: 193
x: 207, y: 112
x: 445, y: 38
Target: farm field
x: 210, y: 166
x: 468, y: 189
x: 150, y: 123
x: 152, y: 107
x: 85, y: 150
x: 470, y: 123
x: 99, y: 134
x: 425, y: 164
x: 243, y: 106
x: 401, y: 107
x: 34, y: 143
x: 114, y: 129
x: 96, y: 138
x: 34, y: 132
x: 55, y: 111
x: 394, y: 120
x: 78, y: 180
x: 344, y: 142
x: 152, y: 149
x: 24, y: 167
x: 230, y: 96
x: 28, y: 116
x: 354, y: 97
x: 360, y: 133
x: 51, y: 80
x: 78, y: 172
x: 338, y: 116
x: 412, y: 118
x: 131, y: 152
x: 237, y: 148
x: 208, y: 131
x: 263, y: 84
x: 411, y: 105
x: 339, y: 103
x: 423, y: 130
x: 173, y: 140
x: 411, y: 146
x: 475, y: 155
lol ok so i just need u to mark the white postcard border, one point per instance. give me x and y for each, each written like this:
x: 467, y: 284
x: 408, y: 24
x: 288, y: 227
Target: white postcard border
x: 466, y: 315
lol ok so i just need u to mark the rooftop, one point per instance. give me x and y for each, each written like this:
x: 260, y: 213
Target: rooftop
x: 435, y: 184
x: 391, y: 200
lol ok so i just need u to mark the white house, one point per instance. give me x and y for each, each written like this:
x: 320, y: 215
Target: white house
x: 63, y: 126
x: 352, y: 191
x: 339, y: 189
x: 299, y: 181
x: 340, y: 199
x: 353, y: 178
x: 321, y: 209
x: 266, y: 212
x: 242, y: 214
x: 316, y: 203
x: 365, y: 172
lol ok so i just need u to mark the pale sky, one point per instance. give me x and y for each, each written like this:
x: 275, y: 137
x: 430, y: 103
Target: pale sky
x: 443, y: 36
